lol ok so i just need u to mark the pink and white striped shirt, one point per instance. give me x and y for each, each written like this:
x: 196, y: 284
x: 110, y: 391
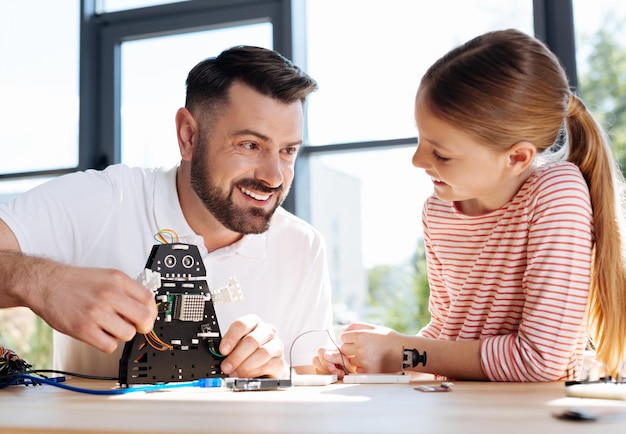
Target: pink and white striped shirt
x: 516, y: 278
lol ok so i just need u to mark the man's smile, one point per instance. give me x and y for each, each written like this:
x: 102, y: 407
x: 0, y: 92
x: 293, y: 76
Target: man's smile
x: 257, y: 196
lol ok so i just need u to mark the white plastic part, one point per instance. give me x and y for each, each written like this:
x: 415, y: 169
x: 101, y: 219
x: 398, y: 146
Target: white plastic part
x: 313, y: 380
x: 376, y: 378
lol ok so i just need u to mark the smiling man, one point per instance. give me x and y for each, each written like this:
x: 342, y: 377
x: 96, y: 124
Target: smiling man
x: 70, y: 249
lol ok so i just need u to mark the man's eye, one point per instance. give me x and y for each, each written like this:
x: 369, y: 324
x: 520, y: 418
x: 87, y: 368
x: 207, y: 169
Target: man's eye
x: 292, y: 150
x: 249, y: 145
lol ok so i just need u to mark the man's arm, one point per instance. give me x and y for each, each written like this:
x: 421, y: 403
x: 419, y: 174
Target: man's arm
x: 94, y: 305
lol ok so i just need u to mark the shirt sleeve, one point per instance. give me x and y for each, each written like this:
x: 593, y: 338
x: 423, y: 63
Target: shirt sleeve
x: 555, y: 284
x: 62, y: 218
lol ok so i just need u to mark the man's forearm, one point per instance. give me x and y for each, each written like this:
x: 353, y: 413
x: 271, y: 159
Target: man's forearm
x: 21, y: 277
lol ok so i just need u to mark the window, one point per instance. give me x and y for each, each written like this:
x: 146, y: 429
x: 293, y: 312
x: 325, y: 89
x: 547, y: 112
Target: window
x: 369, y: 56
x: 366, y: 197
x: 38, y: 91
x: 147, y: 117
x: 38, y: 126
x: 601, y: 64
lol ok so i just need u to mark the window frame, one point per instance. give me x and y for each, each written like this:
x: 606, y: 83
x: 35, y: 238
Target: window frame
x: 553, y: 24
x: 101, y: 36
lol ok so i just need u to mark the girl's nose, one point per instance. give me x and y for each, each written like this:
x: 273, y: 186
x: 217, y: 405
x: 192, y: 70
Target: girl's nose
x: 418, y: 159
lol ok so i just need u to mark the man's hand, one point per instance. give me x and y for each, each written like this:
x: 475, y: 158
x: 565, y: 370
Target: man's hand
x: 94, y: 305
x: 97, y: 306
x: 253, y: 350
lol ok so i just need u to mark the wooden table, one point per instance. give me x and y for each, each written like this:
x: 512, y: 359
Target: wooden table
x: 470, y: 407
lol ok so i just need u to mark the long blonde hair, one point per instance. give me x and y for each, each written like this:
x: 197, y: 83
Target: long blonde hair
x: 504, y: 87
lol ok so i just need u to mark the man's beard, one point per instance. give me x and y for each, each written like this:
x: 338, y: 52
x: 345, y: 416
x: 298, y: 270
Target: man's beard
x: 249, y: 220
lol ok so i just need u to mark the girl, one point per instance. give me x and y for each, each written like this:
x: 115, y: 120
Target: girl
x: 522, y: 233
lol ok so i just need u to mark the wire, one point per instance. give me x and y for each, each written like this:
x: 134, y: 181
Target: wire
x: 343, y: 362
x: 10, y: 363
x: 71, y: 374
x: 203, y: 382
x: 215, y: 353
x: 155, y: 342
x: 166, y: 236
x: 15, y: 371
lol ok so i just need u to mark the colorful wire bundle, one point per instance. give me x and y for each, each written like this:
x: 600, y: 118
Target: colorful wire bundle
x: 10, y: 366
x: 155, y: 342
x: 15, y: 371
x: 166, y: 236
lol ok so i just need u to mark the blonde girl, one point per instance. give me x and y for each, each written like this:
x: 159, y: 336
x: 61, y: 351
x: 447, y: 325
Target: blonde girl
x: 522, y: 232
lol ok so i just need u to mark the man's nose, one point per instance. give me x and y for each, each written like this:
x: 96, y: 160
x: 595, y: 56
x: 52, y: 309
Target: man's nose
x: 269, y: 170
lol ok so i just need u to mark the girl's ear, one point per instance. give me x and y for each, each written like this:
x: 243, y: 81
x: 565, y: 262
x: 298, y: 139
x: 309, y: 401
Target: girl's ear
x: 187, y: 133
x: 521, y: 155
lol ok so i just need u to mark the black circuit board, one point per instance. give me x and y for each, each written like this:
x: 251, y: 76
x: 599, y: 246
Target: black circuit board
x: 184, y: 342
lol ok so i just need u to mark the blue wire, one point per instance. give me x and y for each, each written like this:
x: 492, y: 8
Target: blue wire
x: 203, y: 382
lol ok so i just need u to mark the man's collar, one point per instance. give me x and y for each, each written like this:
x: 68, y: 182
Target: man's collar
x: 169, y: 215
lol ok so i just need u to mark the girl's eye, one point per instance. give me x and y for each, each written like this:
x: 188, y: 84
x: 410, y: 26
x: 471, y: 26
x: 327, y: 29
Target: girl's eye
x: 439, y: 157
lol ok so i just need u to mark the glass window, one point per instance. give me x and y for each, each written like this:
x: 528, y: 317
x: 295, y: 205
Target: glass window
x: 153, y: 86
x: 39, y: 54
x: 368, y: 206
x: 368, y: 58
x: 601, y: 63
x: 39, y: 85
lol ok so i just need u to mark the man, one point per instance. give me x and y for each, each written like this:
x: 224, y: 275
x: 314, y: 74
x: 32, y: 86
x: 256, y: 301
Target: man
x: 70, y: 250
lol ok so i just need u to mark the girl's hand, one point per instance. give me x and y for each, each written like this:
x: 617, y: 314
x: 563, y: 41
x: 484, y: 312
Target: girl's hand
x: 372, y: 349
x: 331, y: 361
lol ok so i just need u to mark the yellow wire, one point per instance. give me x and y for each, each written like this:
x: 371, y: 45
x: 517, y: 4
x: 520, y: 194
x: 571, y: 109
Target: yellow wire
x: 166, y: 236
x: 153, y: 336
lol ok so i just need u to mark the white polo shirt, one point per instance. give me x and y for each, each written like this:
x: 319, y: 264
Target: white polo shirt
x: 109, y: 218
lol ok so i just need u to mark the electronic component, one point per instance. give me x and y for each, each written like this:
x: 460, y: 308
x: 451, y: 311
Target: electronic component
x: 598, y: 390
x: 411, y: 358
x: 188, y: 307
x: 313, y: 379
x: 183, y: 344
x: 576, y: 415
x: 376, y: 378
x: 443, y: 387
x: 254, y: 384
x: 228, y: 293
x: 11, y: 364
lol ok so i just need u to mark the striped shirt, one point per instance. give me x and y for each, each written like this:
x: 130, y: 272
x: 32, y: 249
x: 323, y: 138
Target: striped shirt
x: 516, y: 278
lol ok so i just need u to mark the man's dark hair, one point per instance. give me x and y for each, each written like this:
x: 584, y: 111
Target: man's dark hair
x: 266, y: 71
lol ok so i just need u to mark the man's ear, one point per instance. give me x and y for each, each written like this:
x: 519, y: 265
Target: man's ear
x: 186, y: 132
x: 521, y: 155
